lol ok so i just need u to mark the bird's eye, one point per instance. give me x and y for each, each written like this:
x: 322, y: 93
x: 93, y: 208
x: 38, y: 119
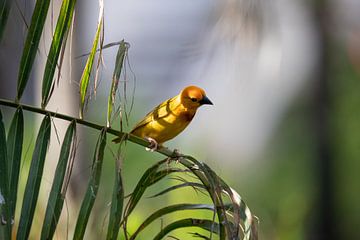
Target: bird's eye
x: 194, y: 99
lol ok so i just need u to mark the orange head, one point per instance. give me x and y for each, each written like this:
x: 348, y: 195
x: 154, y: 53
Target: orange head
x: 194, y: 97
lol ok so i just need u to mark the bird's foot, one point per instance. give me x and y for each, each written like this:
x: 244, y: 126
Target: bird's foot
x: 153, y: 144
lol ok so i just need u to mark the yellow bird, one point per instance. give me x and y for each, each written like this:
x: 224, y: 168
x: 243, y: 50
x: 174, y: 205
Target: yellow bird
x: 171, y: 117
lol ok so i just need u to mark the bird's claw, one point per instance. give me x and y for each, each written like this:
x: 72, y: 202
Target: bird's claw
x: 153, y: 144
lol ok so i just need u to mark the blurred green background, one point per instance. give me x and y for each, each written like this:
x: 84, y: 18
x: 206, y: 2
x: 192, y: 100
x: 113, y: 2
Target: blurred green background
x: 284, y: 130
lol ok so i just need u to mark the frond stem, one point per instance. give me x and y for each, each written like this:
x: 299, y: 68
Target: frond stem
x: 165, y: 151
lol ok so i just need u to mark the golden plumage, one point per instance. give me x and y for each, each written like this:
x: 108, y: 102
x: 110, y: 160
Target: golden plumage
x: 171, y: 117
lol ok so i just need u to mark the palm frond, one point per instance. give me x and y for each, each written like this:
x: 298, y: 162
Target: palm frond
x: 228, y: 216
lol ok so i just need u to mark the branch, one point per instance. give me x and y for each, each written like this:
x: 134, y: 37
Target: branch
x: 163, y: 150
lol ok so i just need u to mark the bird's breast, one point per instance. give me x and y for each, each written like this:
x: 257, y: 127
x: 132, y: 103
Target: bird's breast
x: 187, y: 116
x: 169, y: 126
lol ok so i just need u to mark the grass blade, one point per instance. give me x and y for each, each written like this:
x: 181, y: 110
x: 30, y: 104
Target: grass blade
x: 34, y: 179
x: 169, y: 209
x: 31, y: 44
x: 5, y: 219
x: 4, y: 13
x: 123, y: 47
x: 14, y: 151
x: 84, y: 81
x: 58, y: 191
x: 92, y: 188
x: 188, y: 222
x: 60, y: 35
x: 116, y: 206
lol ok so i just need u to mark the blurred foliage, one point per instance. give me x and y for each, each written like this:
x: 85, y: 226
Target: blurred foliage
x: 345, y: 136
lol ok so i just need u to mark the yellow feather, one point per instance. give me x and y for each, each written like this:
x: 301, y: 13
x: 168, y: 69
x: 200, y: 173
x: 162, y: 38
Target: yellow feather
x: 171, y: 117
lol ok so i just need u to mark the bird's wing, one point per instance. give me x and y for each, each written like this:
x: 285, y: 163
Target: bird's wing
x: 161, y: 111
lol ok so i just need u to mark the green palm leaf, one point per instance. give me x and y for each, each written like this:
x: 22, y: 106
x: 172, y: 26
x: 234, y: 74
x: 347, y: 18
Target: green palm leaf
x: 31, y: 44
x: 85, y: 78
x: 5, y: 226
x: 34, y: 179
x: 4, y: 13
x: 188, y: 222
x: 123, y: 47
x: 60, y: 35
x: 92, y: 188
x: 117, y: 203
x: 14, y: 150
x: 167, y: 210
x: 58, y: 189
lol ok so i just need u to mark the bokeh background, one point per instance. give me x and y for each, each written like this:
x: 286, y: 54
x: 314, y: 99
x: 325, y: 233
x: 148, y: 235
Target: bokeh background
x: 284, y: 130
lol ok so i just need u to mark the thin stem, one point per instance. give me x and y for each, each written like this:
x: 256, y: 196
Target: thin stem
x: 165, y: 151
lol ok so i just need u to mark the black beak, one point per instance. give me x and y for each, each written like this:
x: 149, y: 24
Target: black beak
x: 205, y: 100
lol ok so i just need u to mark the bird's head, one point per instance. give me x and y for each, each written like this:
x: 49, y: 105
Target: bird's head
x: 193, y: 97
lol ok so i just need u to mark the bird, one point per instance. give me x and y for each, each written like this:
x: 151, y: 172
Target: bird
x: 170, y: 117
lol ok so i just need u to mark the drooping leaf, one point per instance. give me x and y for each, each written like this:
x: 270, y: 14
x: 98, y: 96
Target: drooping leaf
x: 169, y: 209
x: 34, y: 179
x: 31, y: 44
x: 150, y: 177
x: 62, y: 55
x: 123, y: 47
x: 84, y: 81
x: 117, y: 203
x: 92, y: 188
x: 237, y: 212
x: 216, y: 188
x: 4, y: 13
x: 215, y: 183
x: 60, y: 35
x: 14, y: 151
x: 211, y: 186
x: 198, y: 235
x: 194, y: 185
x: 188, y: 222
x: 58, y: 189
x: 240, y: 211
x: 109, y: 45
x: 5, y: 217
